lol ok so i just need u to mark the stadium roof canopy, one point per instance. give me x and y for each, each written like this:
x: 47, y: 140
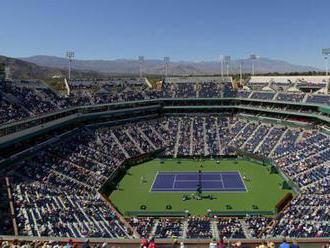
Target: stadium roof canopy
x: 190, y: 79
x: 286, y: 79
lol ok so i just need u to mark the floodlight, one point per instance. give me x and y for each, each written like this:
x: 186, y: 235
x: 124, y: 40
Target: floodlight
x: 70, y: 56
x: 326, y: 53
x: 166, y: 62
x: 253, y: 57
x: 141, y: 60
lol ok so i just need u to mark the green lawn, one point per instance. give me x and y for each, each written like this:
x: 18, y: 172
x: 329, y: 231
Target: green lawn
x: 264, y: 189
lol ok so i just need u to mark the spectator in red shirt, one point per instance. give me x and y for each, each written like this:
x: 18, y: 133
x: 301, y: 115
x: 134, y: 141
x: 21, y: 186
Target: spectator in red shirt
x: 152, y: 243
x: 144, y: 243
x: 221, y: 243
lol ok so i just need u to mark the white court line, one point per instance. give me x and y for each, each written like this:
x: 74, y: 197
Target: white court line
x: 174, y: 181
x: 204, y: 188
x: 203, y: 180
x: 243, y: 182
x: 152, y: 185
x: 227, y: 190
x: 196, y: 172
x: 207, y: 191
x: 223, y: 185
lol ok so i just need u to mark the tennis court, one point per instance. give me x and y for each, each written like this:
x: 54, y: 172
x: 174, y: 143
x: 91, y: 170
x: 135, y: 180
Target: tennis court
x: 190, y: 181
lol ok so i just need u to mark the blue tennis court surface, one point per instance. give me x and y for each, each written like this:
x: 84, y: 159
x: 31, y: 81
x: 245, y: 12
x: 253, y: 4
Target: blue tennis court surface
x: 189, y: 181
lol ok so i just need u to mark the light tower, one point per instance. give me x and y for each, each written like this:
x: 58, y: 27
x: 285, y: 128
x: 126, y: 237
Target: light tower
x: 326, y: 53
x: 166, y: 62
x: 141, y: 61
x: 221, y: 62
x: 240, y: 71
x: 227, y: 62
x: 253, y: 57
x: 70, y: 57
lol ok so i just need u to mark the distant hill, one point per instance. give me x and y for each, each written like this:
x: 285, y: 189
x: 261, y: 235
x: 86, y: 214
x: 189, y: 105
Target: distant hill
x: 45, y: 67
x: 126, y: 66
x: 20, y: 69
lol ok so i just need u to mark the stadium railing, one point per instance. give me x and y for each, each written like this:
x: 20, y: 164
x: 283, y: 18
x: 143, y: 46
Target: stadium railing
x: 145, y: 213
x: 203, y: 102
x: 162, y: 243
x: 240, y: 213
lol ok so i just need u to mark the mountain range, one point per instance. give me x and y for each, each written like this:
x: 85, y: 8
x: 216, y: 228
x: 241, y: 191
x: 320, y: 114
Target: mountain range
x: 45, y: 67
x: 156, y: 67
x: 20, y: 69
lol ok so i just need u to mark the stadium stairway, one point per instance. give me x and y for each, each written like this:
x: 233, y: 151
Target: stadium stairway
x: 119, y: 144
x: 218, y: 134
x: 158, y: 134
x: 307, y: 158
x: 134, y: 142
x: 247, y: 133
x: 13, y: 100
x: 72, y: 179
x: 251, y: 136
x: 191, y: 136
x: 241, y: 131
x: 11, y: 204
x: 263, y: 139
x: 120, y: 217
x: 177, y: 139
x: 185, y: 228
x: 197, y: 89
x: 206, y: 148
x: 245, y: 229
x: 154, y: 228
x: 278, y: 143
x: 275, y: 96
x: 270, y: 140
x: 236, y: 135
x: 300, y: 137
x: 214, y: 228
x: 146, y: 138
x: 325, y: 165
x: 305, y: 98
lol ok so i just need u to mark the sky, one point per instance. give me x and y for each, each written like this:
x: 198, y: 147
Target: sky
x: 194, y: 30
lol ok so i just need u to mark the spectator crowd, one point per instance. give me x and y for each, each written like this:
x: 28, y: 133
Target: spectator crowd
x: 55, y: 191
